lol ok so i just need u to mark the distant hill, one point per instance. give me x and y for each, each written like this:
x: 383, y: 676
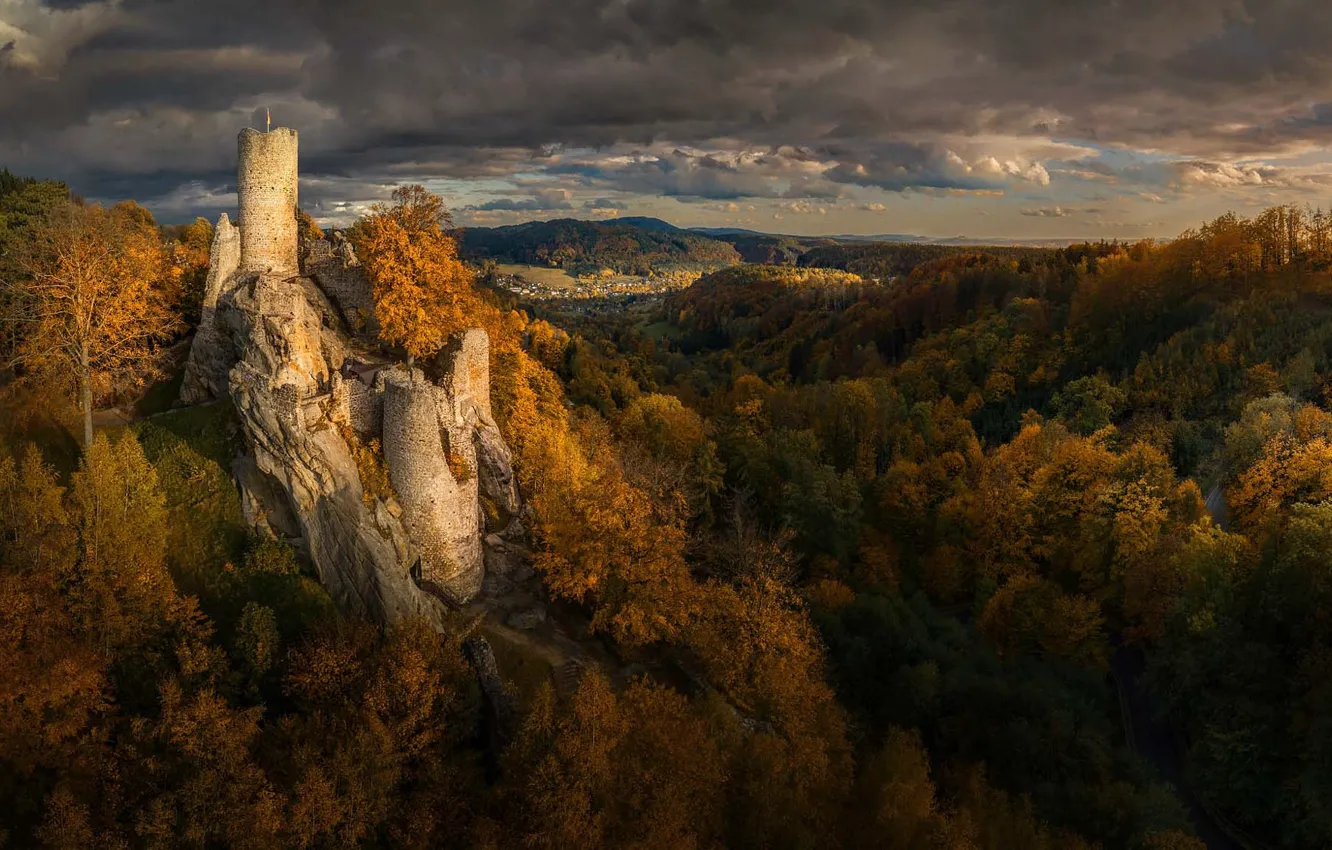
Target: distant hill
x: 642, y: 245
x: 880, y: 237
x: 730, y: 231
x: 647, y: 223
x: 636, y: 246
x: 773, y: 250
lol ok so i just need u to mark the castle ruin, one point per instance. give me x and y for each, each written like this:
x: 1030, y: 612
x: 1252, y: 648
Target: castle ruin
x: 288, y: 335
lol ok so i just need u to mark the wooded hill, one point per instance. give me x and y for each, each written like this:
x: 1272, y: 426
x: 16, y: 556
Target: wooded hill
x: 643, y: 246
x: 588, y: 246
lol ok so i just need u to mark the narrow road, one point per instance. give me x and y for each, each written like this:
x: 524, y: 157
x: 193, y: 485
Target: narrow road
x: 108, y: 416
x: 1154, y: 741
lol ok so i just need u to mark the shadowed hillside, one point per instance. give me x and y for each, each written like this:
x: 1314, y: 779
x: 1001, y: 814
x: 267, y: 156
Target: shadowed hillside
x: 581, y: 247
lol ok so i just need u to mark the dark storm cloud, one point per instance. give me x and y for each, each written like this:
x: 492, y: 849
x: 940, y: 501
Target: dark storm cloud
x: 896, y: 167
x: 143, y: 97
x: 605, y: 204
x: 673, y: 174
x: 541, y: 202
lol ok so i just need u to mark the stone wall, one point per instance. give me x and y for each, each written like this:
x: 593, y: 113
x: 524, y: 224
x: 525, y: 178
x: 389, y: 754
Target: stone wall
x: 346, y: 286
x: 364, y: 409
x: 466, y: 385
x: 266, y: 181
x: 467, y: 379
x: 439, y: 511
x: 358, y: 405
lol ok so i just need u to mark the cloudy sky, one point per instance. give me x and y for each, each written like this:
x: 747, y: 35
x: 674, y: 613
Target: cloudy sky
x: 998, y: 118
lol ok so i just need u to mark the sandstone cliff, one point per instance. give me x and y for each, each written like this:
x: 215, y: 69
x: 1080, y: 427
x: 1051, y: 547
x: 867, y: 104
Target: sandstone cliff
x: 293, y: 349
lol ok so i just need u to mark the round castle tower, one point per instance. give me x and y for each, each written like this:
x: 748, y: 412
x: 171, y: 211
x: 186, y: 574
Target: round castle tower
x: 266, y: 185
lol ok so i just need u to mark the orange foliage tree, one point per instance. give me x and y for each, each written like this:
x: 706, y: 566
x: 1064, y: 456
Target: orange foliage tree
x: 1071, y: 536
x: 423, y: 292
x: 638, y: 769
x: 96, y: 295
x: 189, y: 259
x: 1289, y: 472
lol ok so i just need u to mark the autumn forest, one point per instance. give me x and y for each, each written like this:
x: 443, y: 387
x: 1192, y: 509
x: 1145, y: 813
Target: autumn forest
x: 875, y: 545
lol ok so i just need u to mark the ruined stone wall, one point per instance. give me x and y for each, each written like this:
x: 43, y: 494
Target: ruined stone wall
x: 364, y: 409
x: 287, y: 405
x: 439, y: 511
x: 468, y: 379
x: 346, y: 286
x: 358, y: 406
x: 266, y: 183
x: 473, y: 433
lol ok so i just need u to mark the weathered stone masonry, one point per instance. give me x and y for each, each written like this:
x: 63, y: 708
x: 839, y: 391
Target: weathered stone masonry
x: 439, y: 510
x: 345, y: 284
x: 266, y: 181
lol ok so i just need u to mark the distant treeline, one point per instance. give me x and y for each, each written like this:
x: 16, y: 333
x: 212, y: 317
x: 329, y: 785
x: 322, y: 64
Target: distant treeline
x: 890, y: 259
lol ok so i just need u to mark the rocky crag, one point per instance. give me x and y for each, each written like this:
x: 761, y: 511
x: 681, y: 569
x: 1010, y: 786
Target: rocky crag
x: 398, y: 488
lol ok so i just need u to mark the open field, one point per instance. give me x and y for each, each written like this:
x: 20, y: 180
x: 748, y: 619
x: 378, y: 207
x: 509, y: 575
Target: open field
x: 544, y: 275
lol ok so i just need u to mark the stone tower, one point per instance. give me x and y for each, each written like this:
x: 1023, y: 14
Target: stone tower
x: 266, y: 185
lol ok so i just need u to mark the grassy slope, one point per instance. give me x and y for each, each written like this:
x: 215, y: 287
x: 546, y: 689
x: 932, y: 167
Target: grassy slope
x: 192, y: 450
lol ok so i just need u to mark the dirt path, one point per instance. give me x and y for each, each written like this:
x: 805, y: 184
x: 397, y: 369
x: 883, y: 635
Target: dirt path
x: 115, y: 416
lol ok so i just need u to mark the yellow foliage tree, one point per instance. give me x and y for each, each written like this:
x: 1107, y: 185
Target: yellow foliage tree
x: 202, y: 785
x: 1031, y: 614
x: 755, y: 642
x: 96, y: 295
x: 121, y: 587
x: 897, y: 809
x: 1290, y: 471
x: 34, y: 531
x: 606, y: 540
x: 189, y: 266
x: 380, y: 711
x: 423, y: 292
x: 52, y: 682
x: 636, y: 770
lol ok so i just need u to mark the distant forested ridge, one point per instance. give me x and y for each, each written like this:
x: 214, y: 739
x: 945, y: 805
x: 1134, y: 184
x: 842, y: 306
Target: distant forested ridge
x: 639, y: 245
x: 773, y: 250
x: 587, y: 246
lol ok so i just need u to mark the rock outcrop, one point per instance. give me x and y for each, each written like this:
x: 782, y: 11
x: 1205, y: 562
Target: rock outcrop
x: 211, y: 353
x: 294, y: 350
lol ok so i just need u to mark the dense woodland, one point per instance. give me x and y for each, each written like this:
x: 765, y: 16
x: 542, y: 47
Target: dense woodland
x: 881, y: 531
x: 991, y: 472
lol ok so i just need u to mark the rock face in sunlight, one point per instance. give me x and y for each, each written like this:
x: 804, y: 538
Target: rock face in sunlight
x: 211, y: 353
x: 377, y: 472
